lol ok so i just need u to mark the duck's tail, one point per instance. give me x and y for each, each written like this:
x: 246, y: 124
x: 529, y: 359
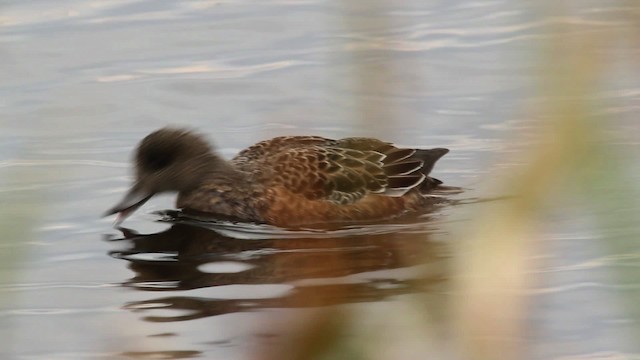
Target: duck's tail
x: 429, y: 158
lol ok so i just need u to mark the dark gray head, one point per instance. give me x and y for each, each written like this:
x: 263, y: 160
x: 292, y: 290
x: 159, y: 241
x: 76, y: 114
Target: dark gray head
x: 168, y: 160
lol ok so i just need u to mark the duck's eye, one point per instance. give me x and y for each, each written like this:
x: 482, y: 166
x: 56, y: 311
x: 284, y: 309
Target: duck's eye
x: 157, y: 160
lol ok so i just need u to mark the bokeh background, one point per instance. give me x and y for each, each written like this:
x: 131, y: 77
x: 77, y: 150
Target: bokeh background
x: 537, y: 100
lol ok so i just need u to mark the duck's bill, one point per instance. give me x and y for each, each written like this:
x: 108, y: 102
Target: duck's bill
x: 130, y: 203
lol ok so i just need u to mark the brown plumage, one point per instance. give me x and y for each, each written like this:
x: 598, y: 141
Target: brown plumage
x: 286, y: 181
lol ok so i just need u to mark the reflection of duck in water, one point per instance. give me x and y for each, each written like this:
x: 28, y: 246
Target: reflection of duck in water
x: 319, y: 271
x: 285, y: 181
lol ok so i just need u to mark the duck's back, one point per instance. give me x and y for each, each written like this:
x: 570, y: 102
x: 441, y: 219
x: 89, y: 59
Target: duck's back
x: 255, y: 154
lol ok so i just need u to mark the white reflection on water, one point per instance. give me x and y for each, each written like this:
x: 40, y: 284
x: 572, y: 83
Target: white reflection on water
x: 206, y: 70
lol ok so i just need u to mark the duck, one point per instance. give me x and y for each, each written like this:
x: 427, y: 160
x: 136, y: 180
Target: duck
x: 287, y: 181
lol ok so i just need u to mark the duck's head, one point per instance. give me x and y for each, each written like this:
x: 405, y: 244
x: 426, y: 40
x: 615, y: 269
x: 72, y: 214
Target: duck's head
x: 167, y: 160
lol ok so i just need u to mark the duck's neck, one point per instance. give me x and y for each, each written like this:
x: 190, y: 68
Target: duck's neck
x: 223, y: 190
x: 221, y: 169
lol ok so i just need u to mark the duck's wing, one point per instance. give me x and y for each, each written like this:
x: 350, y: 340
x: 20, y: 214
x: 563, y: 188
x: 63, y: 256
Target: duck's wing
x: 346, y: 171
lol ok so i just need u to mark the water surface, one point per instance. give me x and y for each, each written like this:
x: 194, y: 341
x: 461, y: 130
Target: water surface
x: 82, y: 82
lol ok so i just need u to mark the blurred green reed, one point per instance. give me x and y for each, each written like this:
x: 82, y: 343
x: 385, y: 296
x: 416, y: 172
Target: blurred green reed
x: 493, y: 264
x: 574, y: 158
x: 493, y: 260
x: 16, y: 219
x: 16, y: 226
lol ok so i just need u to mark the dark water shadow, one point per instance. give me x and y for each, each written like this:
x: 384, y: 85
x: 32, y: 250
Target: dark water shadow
x: 320, y: 269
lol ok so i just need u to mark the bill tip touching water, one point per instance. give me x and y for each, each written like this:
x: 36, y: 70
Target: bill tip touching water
x: 286, y: 181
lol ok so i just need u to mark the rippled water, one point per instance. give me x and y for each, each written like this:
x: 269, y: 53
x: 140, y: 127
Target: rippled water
x: 83, y: 81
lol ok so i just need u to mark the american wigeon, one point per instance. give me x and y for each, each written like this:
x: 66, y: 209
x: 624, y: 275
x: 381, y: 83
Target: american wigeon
x: 286, y: 181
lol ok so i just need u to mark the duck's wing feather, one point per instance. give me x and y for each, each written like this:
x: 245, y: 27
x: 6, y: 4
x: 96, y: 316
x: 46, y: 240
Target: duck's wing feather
x: 347, y: 170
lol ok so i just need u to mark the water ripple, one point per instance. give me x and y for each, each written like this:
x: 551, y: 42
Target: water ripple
x: 214, y: 71
x: 38, y: 163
